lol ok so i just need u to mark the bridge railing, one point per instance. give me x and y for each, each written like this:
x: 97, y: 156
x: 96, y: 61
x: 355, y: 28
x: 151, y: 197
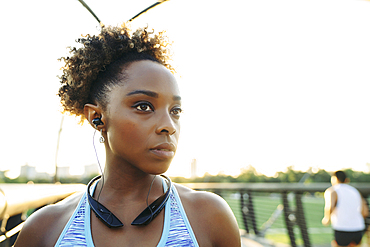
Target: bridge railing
x: 18, y: 200
x: 282, y: 212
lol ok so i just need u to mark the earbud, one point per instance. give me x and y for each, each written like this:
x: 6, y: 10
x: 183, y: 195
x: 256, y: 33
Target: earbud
x: 97, y: 121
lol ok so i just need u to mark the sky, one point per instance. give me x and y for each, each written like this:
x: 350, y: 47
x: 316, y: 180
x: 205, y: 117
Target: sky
x: 265, y: 83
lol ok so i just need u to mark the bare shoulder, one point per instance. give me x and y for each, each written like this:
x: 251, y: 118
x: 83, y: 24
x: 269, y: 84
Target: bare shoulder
x: 329, y: 192
x: 44, y: 226
x: 211, y: 218
x: 202, y: 199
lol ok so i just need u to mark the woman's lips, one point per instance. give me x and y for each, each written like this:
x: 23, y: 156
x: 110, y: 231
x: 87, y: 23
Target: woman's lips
x: 164, y: 150
x: 163, y: 153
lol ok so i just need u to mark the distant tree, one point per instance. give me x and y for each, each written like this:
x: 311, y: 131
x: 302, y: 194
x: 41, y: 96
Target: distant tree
x: 16, y: 180
x: 249, y: 174
x: 357, y: 176
x: 321, y: 176
x: 363, y: 178
x: 274, y: 179
x: 290, y: 175
x: 180, y: 180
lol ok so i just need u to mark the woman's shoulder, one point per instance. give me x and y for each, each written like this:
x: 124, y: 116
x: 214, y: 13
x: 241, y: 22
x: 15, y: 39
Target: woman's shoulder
x: 202, y: 199
x: 44, y: 226
x: 210, y: 216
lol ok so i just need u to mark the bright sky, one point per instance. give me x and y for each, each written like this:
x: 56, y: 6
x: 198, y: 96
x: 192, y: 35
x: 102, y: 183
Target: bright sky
x: 267, y: 83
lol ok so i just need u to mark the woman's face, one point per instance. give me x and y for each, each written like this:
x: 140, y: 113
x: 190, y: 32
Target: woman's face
x: 142, y: 118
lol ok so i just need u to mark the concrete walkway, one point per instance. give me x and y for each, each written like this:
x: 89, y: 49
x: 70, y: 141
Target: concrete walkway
x: 251, y: 241
x: 254, y: 241
x: 248, y: 240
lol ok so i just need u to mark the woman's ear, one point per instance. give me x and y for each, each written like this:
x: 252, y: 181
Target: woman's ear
x: 93, y: 112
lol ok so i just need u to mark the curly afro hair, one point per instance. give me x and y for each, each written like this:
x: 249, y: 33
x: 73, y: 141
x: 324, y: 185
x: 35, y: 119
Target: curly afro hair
x: 92, y: 70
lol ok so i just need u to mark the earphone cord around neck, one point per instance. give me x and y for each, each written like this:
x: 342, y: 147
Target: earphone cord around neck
x: 147, y: 197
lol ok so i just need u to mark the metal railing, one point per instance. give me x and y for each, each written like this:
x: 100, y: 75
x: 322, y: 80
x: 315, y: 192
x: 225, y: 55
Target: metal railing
x: 288, y: 200
x: 287, y: 203
x: 18, y: 200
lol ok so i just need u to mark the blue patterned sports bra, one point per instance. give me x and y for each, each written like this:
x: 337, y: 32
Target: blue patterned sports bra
x: 176, y: 229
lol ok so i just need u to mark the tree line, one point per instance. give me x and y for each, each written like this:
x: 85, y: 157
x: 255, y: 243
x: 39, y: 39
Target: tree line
x: 248, y: 175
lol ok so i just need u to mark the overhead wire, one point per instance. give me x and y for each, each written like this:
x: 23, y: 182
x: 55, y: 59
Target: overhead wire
x: 131, y: 19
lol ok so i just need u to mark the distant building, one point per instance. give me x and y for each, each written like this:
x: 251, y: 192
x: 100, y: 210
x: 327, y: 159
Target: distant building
x: 28, y: 172
x: 91, y: 170
x: 63, y: 172
x: 193, y: 168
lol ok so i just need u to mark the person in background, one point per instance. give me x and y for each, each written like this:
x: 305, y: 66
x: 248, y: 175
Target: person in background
x: 346, y: 209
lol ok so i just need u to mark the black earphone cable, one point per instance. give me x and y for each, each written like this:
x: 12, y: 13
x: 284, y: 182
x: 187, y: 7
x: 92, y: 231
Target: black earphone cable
x: 147, y: 198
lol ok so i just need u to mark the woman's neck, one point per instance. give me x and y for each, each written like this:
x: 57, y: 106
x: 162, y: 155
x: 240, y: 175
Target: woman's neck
x: 127, y: 187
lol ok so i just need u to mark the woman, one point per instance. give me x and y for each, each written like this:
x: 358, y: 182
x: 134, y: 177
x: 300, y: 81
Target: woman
x: 123, y: 85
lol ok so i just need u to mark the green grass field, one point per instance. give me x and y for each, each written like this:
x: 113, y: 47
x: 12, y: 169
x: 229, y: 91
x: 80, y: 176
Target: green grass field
x: 265, y: 205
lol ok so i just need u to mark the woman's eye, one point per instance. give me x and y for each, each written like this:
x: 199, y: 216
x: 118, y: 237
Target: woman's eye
x: 144, y: 107
x: 176, y: 111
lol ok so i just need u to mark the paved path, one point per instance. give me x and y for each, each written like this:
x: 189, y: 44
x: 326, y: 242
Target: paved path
x: 254, y: 241
x: 251, y: 240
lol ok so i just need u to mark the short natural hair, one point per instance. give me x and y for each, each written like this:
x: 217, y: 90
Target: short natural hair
x: 91, y: 71
x: 341, y: 176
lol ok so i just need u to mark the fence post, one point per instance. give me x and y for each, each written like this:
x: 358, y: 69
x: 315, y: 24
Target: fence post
x: 288, y: 222
x: 301, y: 221
x: 252, y: 215
x: 367, y: 220
x: 244, y: 210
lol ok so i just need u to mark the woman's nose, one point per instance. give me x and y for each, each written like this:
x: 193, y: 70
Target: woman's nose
x: 166, y: 125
